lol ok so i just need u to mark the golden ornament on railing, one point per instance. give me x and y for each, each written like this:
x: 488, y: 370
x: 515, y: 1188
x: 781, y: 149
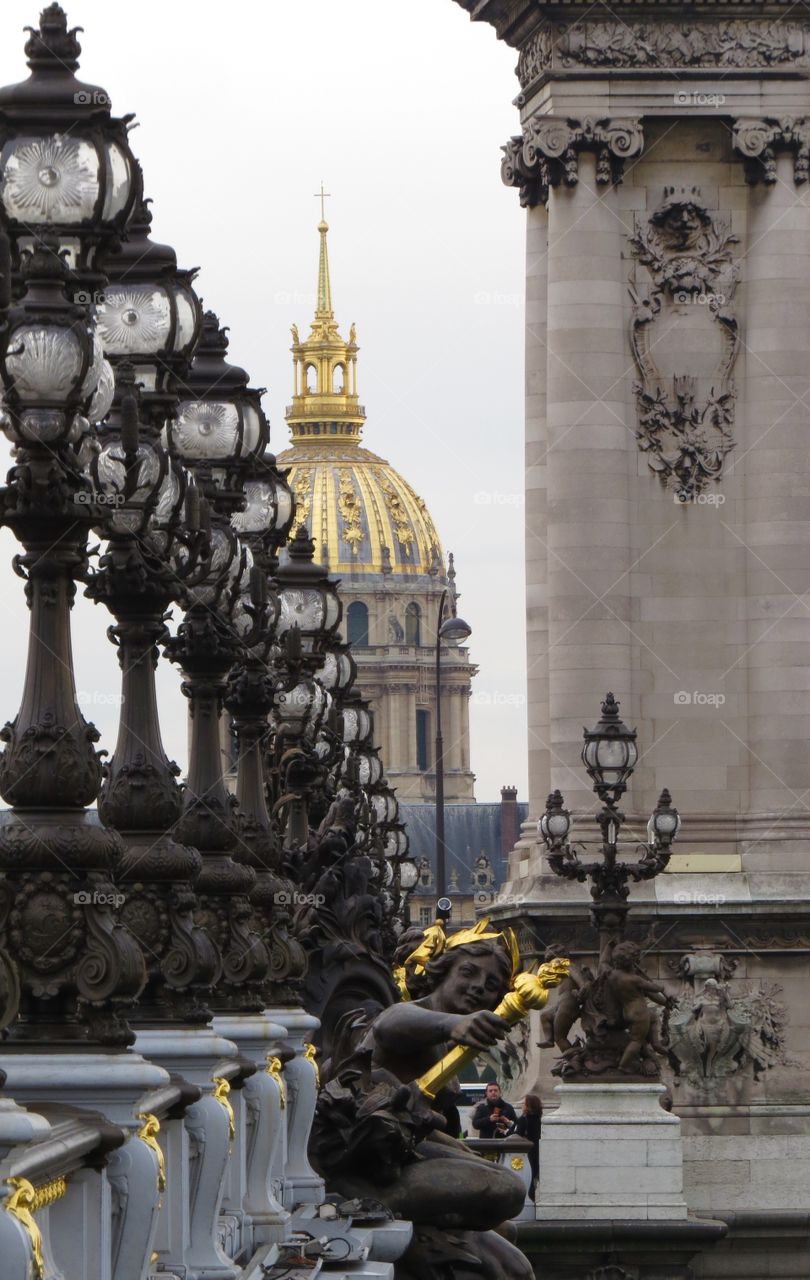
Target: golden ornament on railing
x: 529, y: 991
x: 20, y: 1204
x: 148, y: 1133
x: 311, y: 1055
x: 222, y: 1094
x: 274, y: 1068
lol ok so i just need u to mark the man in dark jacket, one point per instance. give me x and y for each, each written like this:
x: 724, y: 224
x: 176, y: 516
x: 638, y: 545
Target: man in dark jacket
x: 493, y: 1118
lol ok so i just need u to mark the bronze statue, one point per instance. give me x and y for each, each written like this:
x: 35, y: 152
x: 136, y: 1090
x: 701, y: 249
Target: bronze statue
x: 559, y: 1016
x: 622, y: 1033
x: 379, y: 1129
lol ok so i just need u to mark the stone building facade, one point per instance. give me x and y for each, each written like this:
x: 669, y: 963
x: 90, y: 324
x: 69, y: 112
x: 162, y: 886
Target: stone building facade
x: 376, y: 535
x: 662, y: 158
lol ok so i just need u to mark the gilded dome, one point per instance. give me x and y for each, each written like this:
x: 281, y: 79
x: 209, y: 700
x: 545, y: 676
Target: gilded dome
x: 362, y: 515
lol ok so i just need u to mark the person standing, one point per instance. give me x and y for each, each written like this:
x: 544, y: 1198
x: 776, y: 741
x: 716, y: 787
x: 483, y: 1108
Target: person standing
x: 527, y: 1126
x: 494, y: 1117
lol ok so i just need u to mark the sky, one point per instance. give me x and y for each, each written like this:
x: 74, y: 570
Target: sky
x: 401, y: 110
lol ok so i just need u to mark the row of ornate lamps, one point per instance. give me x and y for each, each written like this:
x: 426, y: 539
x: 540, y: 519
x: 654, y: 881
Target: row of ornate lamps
x: 128, y: 422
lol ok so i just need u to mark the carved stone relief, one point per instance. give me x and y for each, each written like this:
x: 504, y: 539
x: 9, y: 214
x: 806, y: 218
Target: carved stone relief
x: 683, y: 310
x: 547, y: 153
x: 758, y: 142
x: 714, y: 1034
x: 743, y: 43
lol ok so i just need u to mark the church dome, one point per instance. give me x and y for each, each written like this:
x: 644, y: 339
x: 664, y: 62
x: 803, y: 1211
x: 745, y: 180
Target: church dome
x: 362, y: 515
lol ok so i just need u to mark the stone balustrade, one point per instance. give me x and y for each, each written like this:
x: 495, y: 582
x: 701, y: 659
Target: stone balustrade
x: 202, y: 1175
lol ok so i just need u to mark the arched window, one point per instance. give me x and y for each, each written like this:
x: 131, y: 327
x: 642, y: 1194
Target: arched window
x: 413, y: 624
x: 338, y: 378
x: 311, y: 378
x: 357, y: 624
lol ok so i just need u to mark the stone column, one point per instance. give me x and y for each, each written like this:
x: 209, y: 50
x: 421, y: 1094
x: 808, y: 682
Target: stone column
x: 777, y: 523
x: 591, y: 455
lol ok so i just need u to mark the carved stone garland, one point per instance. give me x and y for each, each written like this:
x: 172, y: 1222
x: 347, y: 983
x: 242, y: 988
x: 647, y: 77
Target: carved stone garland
x: 626, y: 42
x: 688, y: 255
x: 547, y: 153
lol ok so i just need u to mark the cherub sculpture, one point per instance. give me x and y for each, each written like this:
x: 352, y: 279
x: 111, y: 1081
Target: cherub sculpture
x: 559, y: 1015
x: 379, y: 1129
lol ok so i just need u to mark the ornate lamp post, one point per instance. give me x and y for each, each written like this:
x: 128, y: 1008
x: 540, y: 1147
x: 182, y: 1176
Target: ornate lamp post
x: 609, y: 755
x: 65, y: 162
x: 148, y: 558
x: 453, y: 631
x: 218, y: 428
x: 307, y: 625
x: 79, y: 967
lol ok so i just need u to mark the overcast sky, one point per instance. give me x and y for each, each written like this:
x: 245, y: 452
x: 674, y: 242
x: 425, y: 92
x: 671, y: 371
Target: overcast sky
x: 401, y: 109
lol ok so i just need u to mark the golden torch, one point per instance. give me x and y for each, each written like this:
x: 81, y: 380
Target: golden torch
x: 529, y: 991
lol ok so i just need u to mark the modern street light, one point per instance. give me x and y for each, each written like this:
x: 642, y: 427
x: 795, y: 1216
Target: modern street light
x: 452, y: 631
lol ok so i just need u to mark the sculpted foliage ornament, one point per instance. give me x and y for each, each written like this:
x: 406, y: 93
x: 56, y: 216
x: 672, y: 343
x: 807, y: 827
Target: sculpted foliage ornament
x: 621, y: 42
x: 547, y: 153
x: 686, y: 430
x: 758, y: 142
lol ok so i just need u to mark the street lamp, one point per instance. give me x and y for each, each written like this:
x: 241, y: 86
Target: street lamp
x: 453, y: 631
x: 609, y: 754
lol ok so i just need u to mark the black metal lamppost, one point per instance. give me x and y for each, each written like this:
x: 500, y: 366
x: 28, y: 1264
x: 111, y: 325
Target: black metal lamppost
x: 69, y: 182
x: 451, y: 631
x: 609, y: 754
x: 218, y: 428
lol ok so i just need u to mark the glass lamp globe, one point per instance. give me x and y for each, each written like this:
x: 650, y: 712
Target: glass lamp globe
x: 408, y: 874
x: 610, y: 752
x: 65, y: 162
x: 555, y: 822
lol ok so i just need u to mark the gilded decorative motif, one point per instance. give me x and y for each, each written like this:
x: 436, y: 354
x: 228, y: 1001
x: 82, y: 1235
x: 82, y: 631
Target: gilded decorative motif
x: 21, y: 1205
x: 274, y: 1069
x: 311, y: 1055
x: 148, y: 1133
x: 686, y: 431
x: 222, y: 1094
x: 402, y: 526
x: 517, y: 1163
x: 350, y: 507
x: 302, y: 488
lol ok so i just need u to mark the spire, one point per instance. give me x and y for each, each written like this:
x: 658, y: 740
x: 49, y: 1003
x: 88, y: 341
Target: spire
x: 325, y: 399
x: 324, y: 309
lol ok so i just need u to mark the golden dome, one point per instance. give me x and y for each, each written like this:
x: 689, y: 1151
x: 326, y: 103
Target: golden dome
x: 362, y: 515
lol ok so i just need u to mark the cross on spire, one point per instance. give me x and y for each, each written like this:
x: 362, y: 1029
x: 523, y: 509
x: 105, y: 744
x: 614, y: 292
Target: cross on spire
x: 323, y: 195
